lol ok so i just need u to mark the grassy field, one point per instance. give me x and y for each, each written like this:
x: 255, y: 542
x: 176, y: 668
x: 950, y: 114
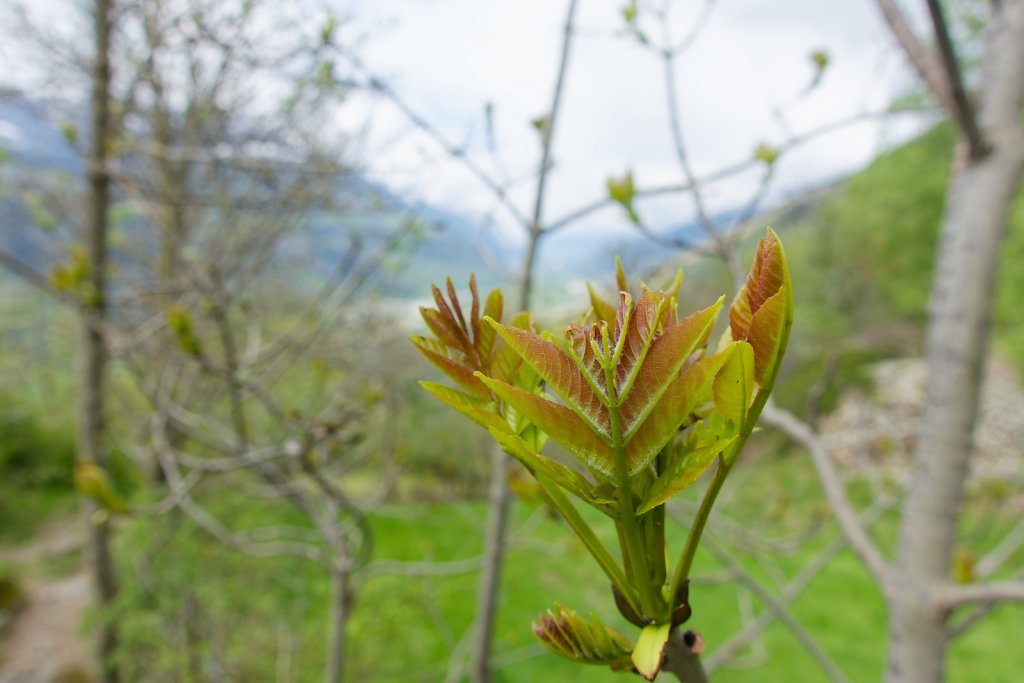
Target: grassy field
x: 260, y: 616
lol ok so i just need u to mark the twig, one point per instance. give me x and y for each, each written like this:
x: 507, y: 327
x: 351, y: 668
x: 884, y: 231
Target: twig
x: 962, y: 109
x: 953, y: 595
x: 923, y: 61
x: 781, y: 611
x: 846, y: 516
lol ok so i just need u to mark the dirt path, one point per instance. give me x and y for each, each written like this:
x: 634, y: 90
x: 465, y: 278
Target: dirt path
x: 43, y: 644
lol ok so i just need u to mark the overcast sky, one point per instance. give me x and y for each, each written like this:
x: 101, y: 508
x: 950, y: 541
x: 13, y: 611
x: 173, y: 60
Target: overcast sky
x: 448, y: 58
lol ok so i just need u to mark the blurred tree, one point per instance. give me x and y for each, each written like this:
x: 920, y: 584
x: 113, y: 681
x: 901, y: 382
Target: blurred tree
x: 92, y: 425
x: 984, y: 182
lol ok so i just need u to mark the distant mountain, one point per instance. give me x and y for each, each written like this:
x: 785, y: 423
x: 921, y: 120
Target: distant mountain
x: 34, y: 135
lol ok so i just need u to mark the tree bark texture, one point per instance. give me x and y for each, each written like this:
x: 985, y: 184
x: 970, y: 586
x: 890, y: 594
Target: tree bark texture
x: 499, y: 500
x: 341, y: 599
x: 93, y: 351
x: 963, y: 290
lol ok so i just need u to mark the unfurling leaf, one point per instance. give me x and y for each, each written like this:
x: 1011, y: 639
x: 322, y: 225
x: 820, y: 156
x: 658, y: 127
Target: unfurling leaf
x: 541, y: 125
x: 179, y: 322
x: 734, y: 384
x: 820, y: 59
x: 93, y: 481
x: 565, y: 477
x: 649, y: 391
x: 766, y: 154
x: 622, y: 191
x: 566, y: 633
x: 630, y: 11
x: 480, y: 411
x: 963, y: 566
x: 462, y: 346
x: 762, y: 312
x: 684, y: 472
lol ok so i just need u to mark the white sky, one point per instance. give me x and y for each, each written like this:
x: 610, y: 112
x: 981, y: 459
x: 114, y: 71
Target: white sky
x: 448, y: 58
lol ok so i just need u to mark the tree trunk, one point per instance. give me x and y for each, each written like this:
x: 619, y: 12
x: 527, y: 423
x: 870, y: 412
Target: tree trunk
x: 94, y: 356
x: 499, y: 502
x: 958, y: 332
x: 341, y: 598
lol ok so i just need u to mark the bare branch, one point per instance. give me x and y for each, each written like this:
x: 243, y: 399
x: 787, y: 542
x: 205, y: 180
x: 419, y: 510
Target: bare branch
x: 426, y: 568
x: 924, y: 61
x: 952, y: 595
x: 963, y: 110
x: 846, y: 516
x: 781, y: 611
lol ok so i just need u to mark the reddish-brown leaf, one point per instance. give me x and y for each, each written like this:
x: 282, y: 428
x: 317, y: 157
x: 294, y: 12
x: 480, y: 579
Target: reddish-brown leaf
x: 558, y: 422
x: 667, y: 355
x: 765, y: 334
x: 561, y: 374
x: 662, y: 422
x: 436, y: 353
x: 641, y: 327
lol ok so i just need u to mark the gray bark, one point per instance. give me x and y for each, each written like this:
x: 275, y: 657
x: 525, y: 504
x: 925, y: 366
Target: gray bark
x: 94, y: 355
x: 499, y: 500
x: 341, y: 598
x: 682, y: 656
x: 974, y: 224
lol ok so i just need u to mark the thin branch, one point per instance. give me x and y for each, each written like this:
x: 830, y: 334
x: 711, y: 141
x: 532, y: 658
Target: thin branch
x: 963, y: 110
x: 426, y: 568
x: 452, y: 150
x: 953, y: 595
x: 846, y: 516
x: 781, y: 612
x: 791, y: 591
x: 924, y: 61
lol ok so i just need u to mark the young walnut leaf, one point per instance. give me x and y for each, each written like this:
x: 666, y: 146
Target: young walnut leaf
x: 650, y: 394
x: 762, y: 312
x: 566, y: 633
x: 461, y: 347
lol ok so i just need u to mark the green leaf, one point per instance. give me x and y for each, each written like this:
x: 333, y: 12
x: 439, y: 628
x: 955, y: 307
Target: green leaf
x: 444, y: 329
x: 766, y: 154
x: 485, y: 333
x: 481, y: 412
x: 564, y: 632
x: 622, y: 191
x: 679, y: 399
x: 560, y: 423
x: 561, y: 374
x: 682, y: 473
x: 565, y: 477
x: 733, y: 387
x: 604, y: 311
x: 649, y: 653
x: 766, y: 332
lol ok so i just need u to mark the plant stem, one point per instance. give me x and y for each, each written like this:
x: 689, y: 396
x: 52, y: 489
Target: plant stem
x: 634, y: 555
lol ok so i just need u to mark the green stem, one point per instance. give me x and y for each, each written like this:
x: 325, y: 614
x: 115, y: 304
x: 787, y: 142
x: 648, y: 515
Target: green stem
x: 590, y: 540
x: 634, y: 555
x: 725, y: 463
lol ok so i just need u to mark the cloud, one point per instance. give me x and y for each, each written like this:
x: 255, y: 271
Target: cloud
x: 451, y: 57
